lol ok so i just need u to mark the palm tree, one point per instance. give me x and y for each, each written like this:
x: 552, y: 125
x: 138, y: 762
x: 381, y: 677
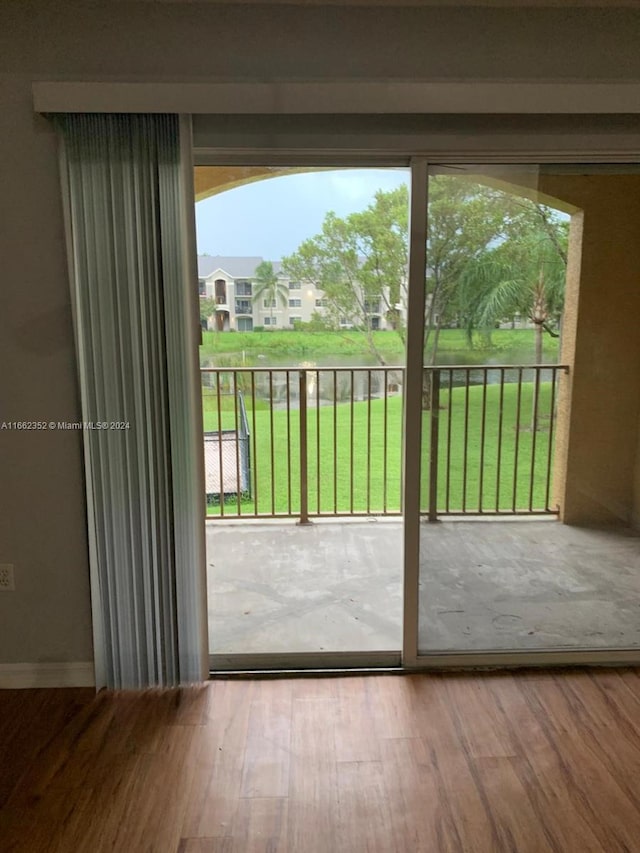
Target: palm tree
x: 269, y: 287
x: 527, y: 279
x: 521, y: 276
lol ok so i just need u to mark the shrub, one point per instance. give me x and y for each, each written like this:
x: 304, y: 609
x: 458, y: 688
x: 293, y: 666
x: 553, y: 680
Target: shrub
x: 207, y: 308
x: 319, y: 323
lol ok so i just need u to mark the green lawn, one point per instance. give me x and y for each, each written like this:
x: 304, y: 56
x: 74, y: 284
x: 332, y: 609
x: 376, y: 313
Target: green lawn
x: 315, y: 345
x: 362, y: 473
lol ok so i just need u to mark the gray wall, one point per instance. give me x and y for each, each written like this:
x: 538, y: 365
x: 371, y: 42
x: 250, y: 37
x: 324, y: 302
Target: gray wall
x: 42, y: 509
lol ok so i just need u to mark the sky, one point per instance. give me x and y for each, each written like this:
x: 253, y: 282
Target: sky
x: 272, y: 217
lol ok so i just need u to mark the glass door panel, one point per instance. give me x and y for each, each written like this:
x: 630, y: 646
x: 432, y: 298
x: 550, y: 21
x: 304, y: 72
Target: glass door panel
x: 303, y: 306
x: 529, y: 410
x: 497, y: 256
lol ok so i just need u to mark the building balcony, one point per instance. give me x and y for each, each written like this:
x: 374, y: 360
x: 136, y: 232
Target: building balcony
x: 498, y: 573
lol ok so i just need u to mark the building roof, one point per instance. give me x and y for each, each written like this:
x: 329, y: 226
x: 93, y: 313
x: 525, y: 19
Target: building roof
x: 236, y: 267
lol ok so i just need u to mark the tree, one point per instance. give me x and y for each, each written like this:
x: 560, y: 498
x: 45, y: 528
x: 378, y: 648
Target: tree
x: 474, y: 230
x: 343, y: 262
x: 269, y: 287
x: 382, y: 236
x: 524, y: 274
x: 363, y: 258
x: 465, y: 219
x: 207, y: 309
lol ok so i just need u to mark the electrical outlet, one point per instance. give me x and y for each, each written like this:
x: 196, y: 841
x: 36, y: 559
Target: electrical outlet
x: 7, y: 582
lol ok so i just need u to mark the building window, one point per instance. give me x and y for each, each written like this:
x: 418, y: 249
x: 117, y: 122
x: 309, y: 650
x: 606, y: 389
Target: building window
x: 294, y: 285
x: 243, y: 288
x: 293, y: 320
x: 243, y: 306
x: 269, y: 321
x: 268, y: 303
x: 245, y: 324
x: 221, y: 291
x: 295, y: 303
x: 202, y: 287
x: 321, y: 303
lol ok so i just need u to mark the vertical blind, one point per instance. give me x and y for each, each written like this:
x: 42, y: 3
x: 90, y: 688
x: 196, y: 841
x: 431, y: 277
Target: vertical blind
x: 123, y: 184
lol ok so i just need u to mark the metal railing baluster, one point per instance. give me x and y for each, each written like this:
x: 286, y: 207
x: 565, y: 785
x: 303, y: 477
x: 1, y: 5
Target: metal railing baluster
x: 552, y: 417
x: 534, y: 433
x: 221, y: 470
x: 368, y: 441
x: 466, y: 440
x: 385, y: 376
x: 468, y: 444
x: 237, y: 443
x: 318, y: 438
x: 304, y: 487
x: 517, y: 442
x: 351, y: 430
x: 255, y: 446
x: 449, y: 416
x: 288, y: 389
x: 335, y: 442
x: 272, y: 468
x: 483, y: 429
x: 433, y: 447
x: 499, y: 447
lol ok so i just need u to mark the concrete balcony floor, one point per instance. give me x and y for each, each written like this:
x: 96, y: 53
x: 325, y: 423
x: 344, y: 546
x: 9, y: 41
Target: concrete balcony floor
x: 484, y: 585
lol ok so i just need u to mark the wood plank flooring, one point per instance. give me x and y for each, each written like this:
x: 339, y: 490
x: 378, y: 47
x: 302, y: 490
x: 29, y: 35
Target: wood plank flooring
x: 523, y: 761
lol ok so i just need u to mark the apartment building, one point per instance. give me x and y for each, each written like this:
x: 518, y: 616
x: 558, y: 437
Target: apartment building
x: 231, y: 283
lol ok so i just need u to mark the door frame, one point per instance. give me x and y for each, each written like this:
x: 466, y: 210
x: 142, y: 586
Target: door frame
x: 418, y: 159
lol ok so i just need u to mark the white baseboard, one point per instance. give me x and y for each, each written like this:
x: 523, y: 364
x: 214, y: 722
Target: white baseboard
x: 14, y: 676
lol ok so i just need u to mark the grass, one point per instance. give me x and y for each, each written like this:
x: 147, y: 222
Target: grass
x: 363, y: 473
x: 314, y: 345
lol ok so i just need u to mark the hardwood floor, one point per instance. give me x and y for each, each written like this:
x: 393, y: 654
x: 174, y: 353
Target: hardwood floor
x: 527, y: 761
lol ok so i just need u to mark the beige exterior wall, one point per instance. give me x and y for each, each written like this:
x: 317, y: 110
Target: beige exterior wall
x: 282, y: 315
x: 635, y: 515
x: 42, y: 504
x: 597, y: 461
x: 307, y: 294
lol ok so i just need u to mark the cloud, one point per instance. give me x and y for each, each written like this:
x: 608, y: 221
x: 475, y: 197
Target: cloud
x: 272, y: 217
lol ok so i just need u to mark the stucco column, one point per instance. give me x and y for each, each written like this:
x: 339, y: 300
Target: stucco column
x: 596, y: 476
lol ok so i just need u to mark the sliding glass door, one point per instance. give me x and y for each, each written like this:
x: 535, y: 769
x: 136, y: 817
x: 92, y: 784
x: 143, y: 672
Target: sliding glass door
x: 507, y: 407
x: 517, y: 414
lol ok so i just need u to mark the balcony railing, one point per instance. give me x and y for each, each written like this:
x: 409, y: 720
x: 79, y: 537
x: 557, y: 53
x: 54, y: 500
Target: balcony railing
x: 329, y: 441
